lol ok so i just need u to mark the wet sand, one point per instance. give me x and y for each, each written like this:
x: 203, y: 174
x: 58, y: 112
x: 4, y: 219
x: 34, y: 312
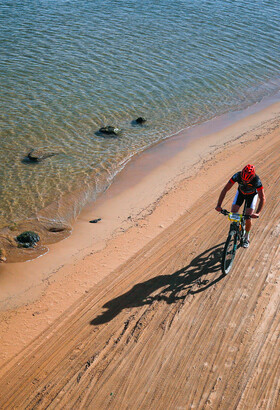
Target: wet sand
x: 133, y: 312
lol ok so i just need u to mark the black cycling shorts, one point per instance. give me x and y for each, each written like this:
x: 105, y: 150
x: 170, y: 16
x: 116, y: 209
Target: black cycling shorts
x: 251, y: 200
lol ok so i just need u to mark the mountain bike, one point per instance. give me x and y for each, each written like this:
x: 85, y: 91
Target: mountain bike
x: 236, y: 237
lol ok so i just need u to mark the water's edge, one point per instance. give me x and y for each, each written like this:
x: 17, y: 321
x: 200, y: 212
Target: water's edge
x: 52, y: 231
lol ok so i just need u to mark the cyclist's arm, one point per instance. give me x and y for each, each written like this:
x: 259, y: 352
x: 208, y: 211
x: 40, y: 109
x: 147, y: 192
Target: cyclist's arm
x: 262, y: 201
x: 223, y: 194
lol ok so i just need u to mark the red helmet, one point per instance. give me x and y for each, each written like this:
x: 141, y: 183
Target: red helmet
x: 248, y: 172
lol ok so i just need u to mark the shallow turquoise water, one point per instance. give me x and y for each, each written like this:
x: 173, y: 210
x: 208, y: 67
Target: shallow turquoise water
x: 69, y: 67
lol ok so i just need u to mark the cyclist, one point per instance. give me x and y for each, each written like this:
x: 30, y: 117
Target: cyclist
x: 249, y: 189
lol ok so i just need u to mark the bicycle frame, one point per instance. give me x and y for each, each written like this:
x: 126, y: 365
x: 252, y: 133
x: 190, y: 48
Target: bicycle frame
x: 236, y: 234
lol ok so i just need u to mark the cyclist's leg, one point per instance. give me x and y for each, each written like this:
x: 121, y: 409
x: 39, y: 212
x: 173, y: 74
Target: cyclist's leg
x: 251, y: 202
x: 237, y: 202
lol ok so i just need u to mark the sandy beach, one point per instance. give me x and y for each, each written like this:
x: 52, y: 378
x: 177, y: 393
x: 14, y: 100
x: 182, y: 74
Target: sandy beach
x: 134, y: 312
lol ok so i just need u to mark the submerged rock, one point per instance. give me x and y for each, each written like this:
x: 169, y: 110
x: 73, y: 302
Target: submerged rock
x: 28, y: 239
x: 140, y: 120
x: 37, y: 155
x: 110, y: 130
x: 56, y: 229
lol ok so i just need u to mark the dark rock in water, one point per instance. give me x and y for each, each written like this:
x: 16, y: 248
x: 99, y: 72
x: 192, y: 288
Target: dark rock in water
x: 110, y: 130
x: 37, y: 155
x: 28, y: 239
x: 94, y: 221
x: 56, y: 229
x: 140, y: 120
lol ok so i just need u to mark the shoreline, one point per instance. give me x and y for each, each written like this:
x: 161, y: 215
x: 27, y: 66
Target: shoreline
x: 135, y: 209
x: 53, y: 230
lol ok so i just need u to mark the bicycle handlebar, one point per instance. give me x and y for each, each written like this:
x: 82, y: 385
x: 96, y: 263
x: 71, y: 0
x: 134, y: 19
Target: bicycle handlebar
x: 225, y: 212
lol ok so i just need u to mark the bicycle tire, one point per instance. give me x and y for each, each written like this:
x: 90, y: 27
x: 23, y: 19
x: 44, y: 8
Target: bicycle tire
x: 229, y: 252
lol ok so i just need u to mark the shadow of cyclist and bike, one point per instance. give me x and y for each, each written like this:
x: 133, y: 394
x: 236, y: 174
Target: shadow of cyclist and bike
x: 168, y: 288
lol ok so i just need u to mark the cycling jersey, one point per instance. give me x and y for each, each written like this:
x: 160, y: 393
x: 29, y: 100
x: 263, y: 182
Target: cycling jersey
x: 247, y: 189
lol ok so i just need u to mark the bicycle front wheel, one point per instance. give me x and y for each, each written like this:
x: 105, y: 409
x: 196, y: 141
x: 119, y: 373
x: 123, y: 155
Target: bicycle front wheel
x: 229, y: 252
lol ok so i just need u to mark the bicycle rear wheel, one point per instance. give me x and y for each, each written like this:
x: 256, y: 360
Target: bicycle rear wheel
x: 229, y: 252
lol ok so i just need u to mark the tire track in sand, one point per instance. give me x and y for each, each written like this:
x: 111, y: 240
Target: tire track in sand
x: 167, y: 330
